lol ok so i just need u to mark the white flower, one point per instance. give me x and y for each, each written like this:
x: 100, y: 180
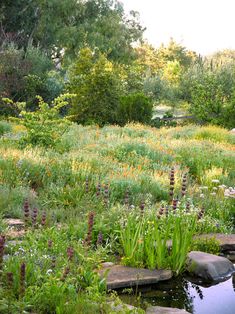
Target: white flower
x: 215, y: 181
x: 202, y: 195
x: 213, y: 193
x: 49, y: 271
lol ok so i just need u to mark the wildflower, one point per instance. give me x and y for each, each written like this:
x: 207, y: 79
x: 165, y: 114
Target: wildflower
x: 2, y: 246
x: 215, y: 181
x: 98, y: 189
x: 10, y: 280
x: 34, y: 216
x: 201, y: 195
x: 26, y: 210
x: 90, y: 227
x: 106, y: 194
x: 215, y: 188
x: 70, y: 253
x: 213, y: 193
x: 172, y: 182
x: 132, y: 206
x: 184, y: 185
x: 43, y: 220
x: 65, y: 274
x: 53, y: 262
x: 99, y: 239
x: 22, y: 278
x: 49, y: 243
x: 142, y: 206
x: 49, y: 271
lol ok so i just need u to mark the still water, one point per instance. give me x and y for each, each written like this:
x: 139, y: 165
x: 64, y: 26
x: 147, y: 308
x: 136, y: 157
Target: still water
x: 184, y: 294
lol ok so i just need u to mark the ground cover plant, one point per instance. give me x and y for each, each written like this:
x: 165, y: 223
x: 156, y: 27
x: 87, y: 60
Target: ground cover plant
x: 107, y: 194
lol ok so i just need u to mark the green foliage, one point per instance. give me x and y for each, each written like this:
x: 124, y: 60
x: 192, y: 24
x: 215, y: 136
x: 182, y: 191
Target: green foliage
x: 207, y: 244
x: 135, y: 108
x: 5, y: 127
x: 45, y: 126
x: 97, y: 86
x: 144, y: 241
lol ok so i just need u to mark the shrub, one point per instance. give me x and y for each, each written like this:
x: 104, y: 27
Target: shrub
x: 135, y: 108
x: 97, y: 86
x: 45, y: 126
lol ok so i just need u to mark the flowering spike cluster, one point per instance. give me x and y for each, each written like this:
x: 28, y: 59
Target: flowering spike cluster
x: 26, y: 211
x: 201, y: 213
x: 65, y: 273
x: 98, y: 189
x: 167, y: 211
x: 10, y: 280
x: 187, y: 207
x: 99, y: 239
x: 126, y: 198
x: 172, y: 183
x: 44, y: 217
x: 22, y: 278
x: 90, y: 228
x: 184, y: 185
x: 87, y: 185
x: 161, y: 212
x: 106, y: 194
x: 142, y: 206
x: 174, y: 205
x: 53, y: 262
x: 70, y: 253
x: 49, y: 244
x: 34, y: 216
x: 2, y: 247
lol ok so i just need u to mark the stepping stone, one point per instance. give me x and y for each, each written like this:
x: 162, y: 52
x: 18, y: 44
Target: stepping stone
x: 164, y: 310
x: 119, y: 276
x: 209, y: 267
x: 226, y: 241
x: 14, y: 223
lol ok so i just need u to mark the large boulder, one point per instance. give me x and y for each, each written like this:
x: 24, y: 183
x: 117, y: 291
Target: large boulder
x: 164, y: 310
x: 209, y: 267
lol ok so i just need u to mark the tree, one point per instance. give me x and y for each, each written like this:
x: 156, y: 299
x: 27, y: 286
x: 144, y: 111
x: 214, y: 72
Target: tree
x: 63, y: 27
x: 97, y: 85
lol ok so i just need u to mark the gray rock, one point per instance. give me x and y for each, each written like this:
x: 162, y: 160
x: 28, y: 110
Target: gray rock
x: 209, y: 267
x: 164, y: 310
x: 107, y: 264
x: 125, y: 277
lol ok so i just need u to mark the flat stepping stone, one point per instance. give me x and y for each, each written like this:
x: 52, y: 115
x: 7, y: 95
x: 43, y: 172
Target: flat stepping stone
x: 226, y: 241
x: 209, y: 267
x: 14, y: 223
x: 164, y: 310
x: 119, y: 276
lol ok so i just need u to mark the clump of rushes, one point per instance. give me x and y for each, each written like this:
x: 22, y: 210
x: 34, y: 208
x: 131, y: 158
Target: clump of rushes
x: 44, y: 218
x: 90, y: 228
x: 34, y: 216
x: 142, y: 206
x: 106, y: 194
x: 87, y: 185
x: 26, y: 211
x: 99, y: 239
x: 184, y: 185
x: 98, y: 189
x: 70, y: 253
x: 126, y: 198
x: 172, y: 183
x: 65, y: 273
x: 22, y: 279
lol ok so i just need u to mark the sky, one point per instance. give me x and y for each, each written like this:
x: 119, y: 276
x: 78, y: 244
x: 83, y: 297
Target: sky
x: 204, y: 26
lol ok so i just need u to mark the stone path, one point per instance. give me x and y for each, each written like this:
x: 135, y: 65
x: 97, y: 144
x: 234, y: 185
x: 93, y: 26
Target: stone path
x: 119, y: 276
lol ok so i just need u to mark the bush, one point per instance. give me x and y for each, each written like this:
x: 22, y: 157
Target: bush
x: 45, y: 126
x: 4, y: 127
x: 97, y: 86
x: 135, y: 108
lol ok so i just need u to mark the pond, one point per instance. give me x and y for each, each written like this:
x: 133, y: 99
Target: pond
x: 183, y: 293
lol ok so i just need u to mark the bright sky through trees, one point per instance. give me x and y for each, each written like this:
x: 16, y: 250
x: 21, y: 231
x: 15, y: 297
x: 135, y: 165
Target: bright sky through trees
x: 201, y: 25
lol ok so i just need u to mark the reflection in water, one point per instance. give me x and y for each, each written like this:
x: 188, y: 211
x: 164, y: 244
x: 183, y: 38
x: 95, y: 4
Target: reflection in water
x: 191, y: 296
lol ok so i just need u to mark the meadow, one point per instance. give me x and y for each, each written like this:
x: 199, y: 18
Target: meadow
x: 102, y: 194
